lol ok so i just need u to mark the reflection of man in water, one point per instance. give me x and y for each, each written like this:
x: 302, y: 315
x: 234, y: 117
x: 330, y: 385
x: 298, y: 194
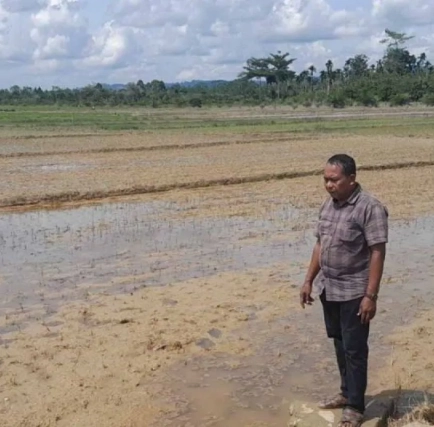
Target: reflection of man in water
x: 347, y: 260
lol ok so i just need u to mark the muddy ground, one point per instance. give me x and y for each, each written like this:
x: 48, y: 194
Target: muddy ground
x: 92, y: 167
x: 181, y: 309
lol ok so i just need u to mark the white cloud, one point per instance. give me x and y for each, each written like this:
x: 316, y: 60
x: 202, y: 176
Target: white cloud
x: 72, y: 42
x: 3, y: 17
x: 315, y: 54
x: 59, y: 30
x: 308, y: 21
x: 19, y: 6
x: 12, y: 48
x: 59, y: 13
x: 110, y: 47
x: 404, y: 13
x: 4, y: 20
x: 198, y: 13
x: 48, y: 66
x: 55, y: 46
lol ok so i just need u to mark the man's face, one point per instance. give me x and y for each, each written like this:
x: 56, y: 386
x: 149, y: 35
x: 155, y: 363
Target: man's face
x: 337, y: 184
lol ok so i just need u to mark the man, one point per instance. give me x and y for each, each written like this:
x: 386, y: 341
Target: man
x: 347, y: 261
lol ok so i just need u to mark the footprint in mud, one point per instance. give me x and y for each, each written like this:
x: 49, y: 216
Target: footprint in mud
x: 205, y: 343
x: 215, y: 333
x: 54, y: 323
x: 5, y: 343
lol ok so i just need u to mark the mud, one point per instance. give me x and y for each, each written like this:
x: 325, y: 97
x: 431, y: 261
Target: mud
x: 50, y: 258
x: 64, y: 197
x: 144, y: 243
x: 295, y: 361
x: 59, y: 254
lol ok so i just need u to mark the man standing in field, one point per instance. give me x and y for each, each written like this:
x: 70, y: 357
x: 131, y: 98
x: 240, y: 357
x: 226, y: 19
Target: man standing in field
x: 348, y: 260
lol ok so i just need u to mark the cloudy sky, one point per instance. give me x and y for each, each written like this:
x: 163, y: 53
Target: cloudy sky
x: 78, y: 42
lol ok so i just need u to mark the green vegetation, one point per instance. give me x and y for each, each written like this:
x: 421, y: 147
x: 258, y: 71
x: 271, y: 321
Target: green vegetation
x: 241, y: 120
x: 397, y: 79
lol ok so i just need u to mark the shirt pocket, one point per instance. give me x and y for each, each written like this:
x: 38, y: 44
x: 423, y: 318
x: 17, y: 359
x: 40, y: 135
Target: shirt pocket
x: 325, y: 227
x: 349, y: 233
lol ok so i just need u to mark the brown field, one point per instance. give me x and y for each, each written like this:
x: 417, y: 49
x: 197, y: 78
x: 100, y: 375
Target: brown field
x: 91, y: 221
x: 31, y: 179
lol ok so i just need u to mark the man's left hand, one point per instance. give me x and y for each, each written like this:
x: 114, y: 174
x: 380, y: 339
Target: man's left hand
x: 367, y: 310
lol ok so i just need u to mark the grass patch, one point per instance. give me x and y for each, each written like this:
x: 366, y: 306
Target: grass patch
x: 209, y: 120
x: 423, y: 414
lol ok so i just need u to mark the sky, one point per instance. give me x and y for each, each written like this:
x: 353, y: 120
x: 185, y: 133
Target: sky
x: 71, y: 43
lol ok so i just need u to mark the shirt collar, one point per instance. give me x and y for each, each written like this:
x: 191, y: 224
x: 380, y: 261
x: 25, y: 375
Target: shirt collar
x: 353, y: 198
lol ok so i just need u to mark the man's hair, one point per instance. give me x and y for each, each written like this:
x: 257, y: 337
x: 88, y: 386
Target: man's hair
x: 345, y: 161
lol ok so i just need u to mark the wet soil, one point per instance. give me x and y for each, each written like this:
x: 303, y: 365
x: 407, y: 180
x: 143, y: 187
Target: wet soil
x: 52, y: 257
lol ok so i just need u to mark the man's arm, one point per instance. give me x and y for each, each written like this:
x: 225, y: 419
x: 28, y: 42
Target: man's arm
x: 376, y: 234
x: 312, y: 272
x: 314, y: 266
x: 376, y: 266
x: 368, y: 306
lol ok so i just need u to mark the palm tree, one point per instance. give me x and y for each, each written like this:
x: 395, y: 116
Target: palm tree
x: 312, y: 71
x: 304, y: 80
x: 329, y: 75
x: 275, y: 70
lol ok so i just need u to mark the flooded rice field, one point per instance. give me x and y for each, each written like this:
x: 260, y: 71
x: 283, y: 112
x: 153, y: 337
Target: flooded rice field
x: 58, y: 254
x: 180, y: 307
x: 246, y: 361
x: 122, y: 245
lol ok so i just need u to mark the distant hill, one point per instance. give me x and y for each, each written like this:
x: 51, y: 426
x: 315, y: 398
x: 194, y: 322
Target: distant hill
x: 187, y: 84
x: 193, y: 83
x: 116, y: 86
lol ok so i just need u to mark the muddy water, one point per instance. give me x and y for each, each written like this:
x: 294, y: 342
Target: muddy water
x: 60, y: 254
x: 51, y: 256
x: 295, y: 362
x: 48, y: 257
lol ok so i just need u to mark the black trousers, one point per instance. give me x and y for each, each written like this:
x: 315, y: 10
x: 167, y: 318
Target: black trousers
x: 351, y: 344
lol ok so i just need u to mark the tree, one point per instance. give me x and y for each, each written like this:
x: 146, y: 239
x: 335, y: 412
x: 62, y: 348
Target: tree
x: 397, y: 78
x: 395, y: 40
x: 312, y: 71
x: 304, y: 80
x: 274, y: 69
x: 356, y: 67
x: 423, y: 66
x: 157, y: 90
x: 329, y: 75
x: 397, y: 59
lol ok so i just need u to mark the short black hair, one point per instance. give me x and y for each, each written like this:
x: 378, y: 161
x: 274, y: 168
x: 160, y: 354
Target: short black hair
x: 345, y: 161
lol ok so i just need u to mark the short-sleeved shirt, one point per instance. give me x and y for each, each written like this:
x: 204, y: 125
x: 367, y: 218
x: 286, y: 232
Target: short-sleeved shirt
x: 346, y: 231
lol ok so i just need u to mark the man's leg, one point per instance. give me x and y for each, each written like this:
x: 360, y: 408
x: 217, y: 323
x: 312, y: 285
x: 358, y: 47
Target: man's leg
x: 355, y: 344
x: 342, y: 365
x: 332, y: 320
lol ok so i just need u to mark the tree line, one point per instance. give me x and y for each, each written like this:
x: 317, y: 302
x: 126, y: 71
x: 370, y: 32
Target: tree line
x: 397, y: 79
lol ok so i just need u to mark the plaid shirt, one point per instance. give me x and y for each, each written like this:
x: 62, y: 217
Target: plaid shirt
x: 345, y: 232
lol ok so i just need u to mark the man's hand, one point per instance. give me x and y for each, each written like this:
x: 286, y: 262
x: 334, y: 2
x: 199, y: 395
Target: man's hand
x: 305, y: 294
x: 367, y: 310
x: 314, y: 268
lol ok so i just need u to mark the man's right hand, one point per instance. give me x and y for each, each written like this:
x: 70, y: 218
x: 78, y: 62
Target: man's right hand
x: 305, y: 294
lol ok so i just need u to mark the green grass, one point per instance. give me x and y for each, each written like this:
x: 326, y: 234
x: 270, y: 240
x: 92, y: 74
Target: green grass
x: 205, y: 120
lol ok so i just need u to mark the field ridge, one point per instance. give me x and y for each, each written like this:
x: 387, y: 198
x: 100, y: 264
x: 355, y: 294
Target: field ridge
x: 77, y: 196
x: 162, y: 147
